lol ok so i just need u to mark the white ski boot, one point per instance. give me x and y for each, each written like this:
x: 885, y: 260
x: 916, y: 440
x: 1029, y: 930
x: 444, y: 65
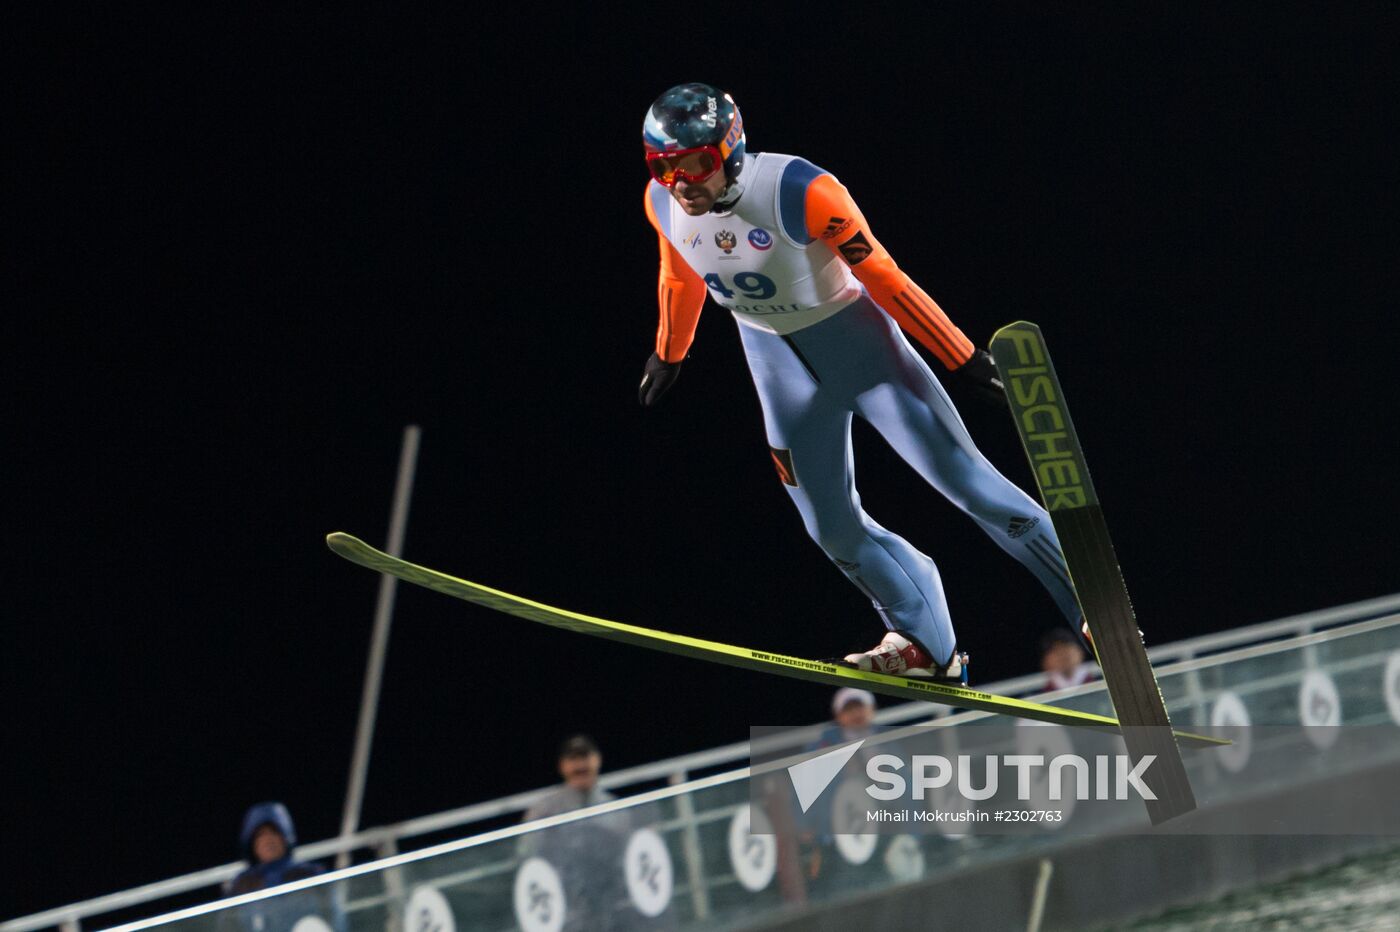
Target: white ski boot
x: 900, y: 656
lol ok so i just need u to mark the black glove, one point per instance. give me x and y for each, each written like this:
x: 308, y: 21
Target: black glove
x: 658, y: 377
x: 981, y: 373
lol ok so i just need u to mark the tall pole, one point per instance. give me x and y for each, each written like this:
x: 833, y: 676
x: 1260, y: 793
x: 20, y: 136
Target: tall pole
x: 379, y: 643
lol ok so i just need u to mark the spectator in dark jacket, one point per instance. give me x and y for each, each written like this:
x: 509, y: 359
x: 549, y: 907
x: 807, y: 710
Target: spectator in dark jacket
x: 266, y: 840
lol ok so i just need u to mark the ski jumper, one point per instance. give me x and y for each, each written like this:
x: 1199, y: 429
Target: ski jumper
x: 819, y: 305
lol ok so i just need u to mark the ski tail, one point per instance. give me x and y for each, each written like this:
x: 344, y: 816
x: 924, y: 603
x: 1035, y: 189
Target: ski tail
x: 1057, y: 460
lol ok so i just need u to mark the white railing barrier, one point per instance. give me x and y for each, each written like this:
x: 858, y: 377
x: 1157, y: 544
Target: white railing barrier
x: 385, y: 840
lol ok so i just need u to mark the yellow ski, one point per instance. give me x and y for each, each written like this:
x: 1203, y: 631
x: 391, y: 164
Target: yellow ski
x: 357, y: 551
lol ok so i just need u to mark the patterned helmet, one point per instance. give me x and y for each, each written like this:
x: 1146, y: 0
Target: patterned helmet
x: 692, y: 115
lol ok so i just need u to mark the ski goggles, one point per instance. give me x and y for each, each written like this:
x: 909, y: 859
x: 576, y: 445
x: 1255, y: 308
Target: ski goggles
x: 692, y: 165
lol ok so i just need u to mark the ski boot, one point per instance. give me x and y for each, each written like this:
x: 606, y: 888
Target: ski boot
x: 899, y: 656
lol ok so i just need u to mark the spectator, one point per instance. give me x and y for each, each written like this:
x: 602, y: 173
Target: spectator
x: 853, y: 712
x: 579, y: 764
x: 266, y: 840
x: 586, y: 852
x: 827, y: 874
x: 1062, y: 658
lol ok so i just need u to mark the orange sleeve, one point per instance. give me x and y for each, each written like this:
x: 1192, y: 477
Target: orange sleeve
x: 680, y: 293
x: 834, y: 218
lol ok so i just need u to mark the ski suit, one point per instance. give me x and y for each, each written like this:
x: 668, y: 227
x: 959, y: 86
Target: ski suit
x: 820, y: 305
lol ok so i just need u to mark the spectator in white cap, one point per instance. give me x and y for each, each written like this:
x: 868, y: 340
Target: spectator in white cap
x: 853, y: 716
x: 854, y: 711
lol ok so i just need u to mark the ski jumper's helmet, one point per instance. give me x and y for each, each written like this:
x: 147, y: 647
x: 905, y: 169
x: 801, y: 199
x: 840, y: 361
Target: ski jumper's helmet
x: 696, y: 117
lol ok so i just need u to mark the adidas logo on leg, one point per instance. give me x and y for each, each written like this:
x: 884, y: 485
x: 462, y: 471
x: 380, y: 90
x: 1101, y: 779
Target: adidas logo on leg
x: 1019, y: 526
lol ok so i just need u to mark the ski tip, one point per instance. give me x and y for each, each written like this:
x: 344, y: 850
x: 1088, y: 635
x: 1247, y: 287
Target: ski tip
x: 1015, y: 325
x: 337, y: 540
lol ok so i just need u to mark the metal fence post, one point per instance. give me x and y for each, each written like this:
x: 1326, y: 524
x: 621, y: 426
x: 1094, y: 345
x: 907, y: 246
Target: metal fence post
x: 690, y: 845
x: 394, y: 899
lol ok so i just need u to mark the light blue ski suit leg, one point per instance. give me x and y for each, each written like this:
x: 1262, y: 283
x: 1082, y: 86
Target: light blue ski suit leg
x: 857, y: 362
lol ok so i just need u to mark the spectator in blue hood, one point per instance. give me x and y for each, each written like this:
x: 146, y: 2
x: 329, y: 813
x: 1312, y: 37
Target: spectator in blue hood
x: 267, y: 840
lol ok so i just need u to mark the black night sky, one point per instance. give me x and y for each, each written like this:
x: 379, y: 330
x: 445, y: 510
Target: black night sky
x: 252, y: 246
